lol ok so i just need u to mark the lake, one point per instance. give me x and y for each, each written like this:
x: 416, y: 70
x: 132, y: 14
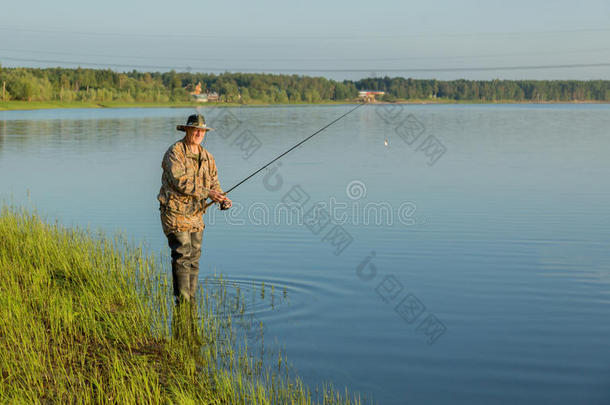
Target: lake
x: 429, y: 253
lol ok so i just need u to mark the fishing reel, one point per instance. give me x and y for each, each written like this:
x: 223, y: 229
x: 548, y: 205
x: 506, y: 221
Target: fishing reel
x: 222, y: 206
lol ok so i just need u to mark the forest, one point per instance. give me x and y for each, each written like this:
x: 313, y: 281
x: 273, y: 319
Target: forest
x: 105, y: 85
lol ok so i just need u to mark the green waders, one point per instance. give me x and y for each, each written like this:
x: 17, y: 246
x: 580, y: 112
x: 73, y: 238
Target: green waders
x: 186, y: 251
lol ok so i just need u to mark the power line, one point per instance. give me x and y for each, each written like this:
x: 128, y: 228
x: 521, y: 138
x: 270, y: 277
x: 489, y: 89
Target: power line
x: 360, y: 70
x: 321, y: 36
x: 404, y: 58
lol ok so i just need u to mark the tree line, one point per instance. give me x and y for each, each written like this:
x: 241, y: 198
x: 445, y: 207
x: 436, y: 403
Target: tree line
x: 104, y: 85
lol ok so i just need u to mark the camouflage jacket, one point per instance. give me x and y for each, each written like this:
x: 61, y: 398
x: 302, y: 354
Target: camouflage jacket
x: 185, y: 182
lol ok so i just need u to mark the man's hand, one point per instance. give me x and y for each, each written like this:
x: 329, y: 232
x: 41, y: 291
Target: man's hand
x: 226, y: 204
x: 216, y: 196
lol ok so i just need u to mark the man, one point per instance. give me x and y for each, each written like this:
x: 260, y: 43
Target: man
x: 189, y: 178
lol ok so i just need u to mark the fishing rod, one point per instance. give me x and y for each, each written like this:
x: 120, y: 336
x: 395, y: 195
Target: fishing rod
x: 286, y: 152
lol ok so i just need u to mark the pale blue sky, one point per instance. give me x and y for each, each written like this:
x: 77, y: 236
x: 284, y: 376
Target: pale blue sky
x: 338, y: 39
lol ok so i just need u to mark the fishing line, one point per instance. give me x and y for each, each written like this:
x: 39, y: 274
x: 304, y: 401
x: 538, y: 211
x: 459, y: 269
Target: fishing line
x: 289, y: 150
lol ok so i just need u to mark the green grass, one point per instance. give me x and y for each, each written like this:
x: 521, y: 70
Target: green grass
x: 85, y: 318
x: 37, y: 105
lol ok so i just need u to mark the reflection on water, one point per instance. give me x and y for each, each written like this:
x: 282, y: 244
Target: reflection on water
x: 512, y: 257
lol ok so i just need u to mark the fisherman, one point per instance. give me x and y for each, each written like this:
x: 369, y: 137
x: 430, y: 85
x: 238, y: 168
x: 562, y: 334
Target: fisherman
x: 189, y: 178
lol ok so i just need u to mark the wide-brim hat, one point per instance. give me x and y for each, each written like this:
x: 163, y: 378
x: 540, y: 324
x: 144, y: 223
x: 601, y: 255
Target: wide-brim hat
x: 194, y: 121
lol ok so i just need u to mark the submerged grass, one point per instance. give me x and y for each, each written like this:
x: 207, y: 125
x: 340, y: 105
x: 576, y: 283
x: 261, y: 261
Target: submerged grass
x: 86, y: 318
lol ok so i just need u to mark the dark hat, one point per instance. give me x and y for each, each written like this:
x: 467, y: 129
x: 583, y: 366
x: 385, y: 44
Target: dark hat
x: 194, y: 121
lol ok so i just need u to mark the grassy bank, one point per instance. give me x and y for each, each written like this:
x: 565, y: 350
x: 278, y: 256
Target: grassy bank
x: 88, y: 319
x: 40, y: 105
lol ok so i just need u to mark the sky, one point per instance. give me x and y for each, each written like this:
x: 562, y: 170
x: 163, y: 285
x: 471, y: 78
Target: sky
x: 341, y: 39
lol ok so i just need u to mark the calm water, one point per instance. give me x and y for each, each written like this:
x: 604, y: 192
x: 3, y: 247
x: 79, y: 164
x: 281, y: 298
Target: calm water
x: 483, y: 277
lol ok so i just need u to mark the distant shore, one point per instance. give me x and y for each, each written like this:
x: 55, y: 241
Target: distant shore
x: 40, y: 105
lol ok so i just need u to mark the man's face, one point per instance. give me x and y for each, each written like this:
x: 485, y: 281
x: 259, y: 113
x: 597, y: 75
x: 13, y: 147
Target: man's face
x: 195, y: 135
